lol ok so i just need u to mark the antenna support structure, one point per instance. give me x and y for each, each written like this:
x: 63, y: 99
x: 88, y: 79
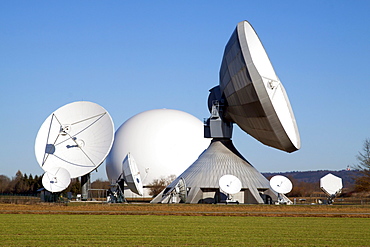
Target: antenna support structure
x: 217, y: 126
x: 250, y: 95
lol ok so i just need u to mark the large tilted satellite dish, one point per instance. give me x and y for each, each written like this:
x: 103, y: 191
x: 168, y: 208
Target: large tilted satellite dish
x: 76, y: 137
x: 332, y: 186
x: 56, y: 179
x: 230, y: 184
x: 131, y: 175
x: 251, y: 95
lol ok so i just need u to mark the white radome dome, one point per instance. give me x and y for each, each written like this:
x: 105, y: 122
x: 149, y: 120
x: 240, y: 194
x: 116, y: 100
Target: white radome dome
x: 163, y: 142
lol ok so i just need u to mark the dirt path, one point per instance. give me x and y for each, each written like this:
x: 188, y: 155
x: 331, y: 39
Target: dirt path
x: 189, y: 209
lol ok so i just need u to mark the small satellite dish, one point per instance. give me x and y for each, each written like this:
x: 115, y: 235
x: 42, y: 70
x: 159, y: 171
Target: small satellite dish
x: 282, y: 185
x: 77, y: 137
x: 56, y: 179
x: 331, y: 185
x: 179, y: 191
x: 176, y: 194
x: 230, y: 184
x: 131, y: 175
x: 253, y: 96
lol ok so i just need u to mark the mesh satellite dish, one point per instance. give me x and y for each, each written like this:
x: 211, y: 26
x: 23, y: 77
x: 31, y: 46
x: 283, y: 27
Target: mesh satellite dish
x: 332, y: 186
x: 56, y: 179
x: 76, y: 137
x: 251, y: 95
x: 131, y: 175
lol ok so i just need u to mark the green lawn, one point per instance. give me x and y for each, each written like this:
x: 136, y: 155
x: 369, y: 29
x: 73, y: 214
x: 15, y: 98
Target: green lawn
x: 146, y: 230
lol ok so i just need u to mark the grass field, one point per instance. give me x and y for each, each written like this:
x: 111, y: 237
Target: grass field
x: 101, y: 224
x: 168, y: 230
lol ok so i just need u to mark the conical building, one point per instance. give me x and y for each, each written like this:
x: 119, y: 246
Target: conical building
x: 202, y: 177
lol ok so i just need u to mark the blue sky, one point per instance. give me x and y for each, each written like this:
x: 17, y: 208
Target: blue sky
x: 134, y: 56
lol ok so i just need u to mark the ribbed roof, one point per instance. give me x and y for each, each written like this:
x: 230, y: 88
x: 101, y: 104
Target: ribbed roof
x: 219, y: 159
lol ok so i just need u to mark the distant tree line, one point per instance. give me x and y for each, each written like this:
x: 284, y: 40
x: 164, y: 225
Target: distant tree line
x: 20, y: 184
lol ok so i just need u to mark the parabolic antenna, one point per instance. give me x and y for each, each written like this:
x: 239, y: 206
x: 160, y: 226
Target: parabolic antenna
x: 76, y: 137
x: 331, y: 185
x: 176, y: 194
x: 181, y: 190
x: 132, y: 175
x: 281, y: 184
x: 253, y: 95
x: 230, y: 184
x: 56, y: 179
